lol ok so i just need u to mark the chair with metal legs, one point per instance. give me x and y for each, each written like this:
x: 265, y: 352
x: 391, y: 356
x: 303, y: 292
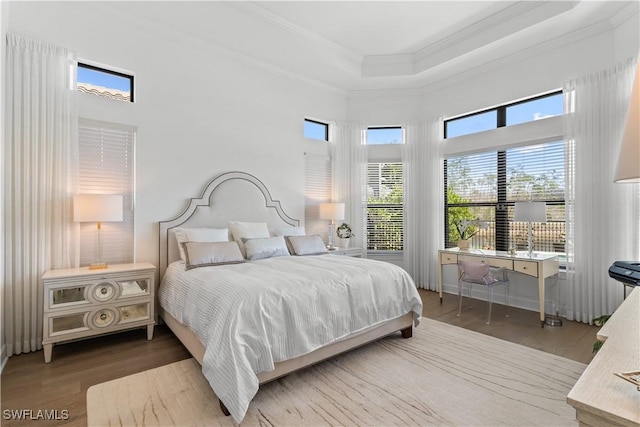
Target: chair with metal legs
x: 479, y: 272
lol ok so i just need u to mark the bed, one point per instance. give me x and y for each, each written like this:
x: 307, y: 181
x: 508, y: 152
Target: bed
x: 250, y: 322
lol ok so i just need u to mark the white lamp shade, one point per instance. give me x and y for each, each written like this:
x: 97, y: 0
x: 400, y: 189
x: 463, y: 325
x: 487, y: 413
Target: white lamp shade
x: 628, y: 168
x: 97, y: 208
x: 530, y: 212
x: 333, y: 211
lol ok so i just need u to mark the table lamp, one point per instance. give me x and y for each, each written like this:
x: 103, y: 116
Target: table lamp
x: 332, y: 212
x: 97, y: 208
x: 628, y: 167
x: 530, y: 212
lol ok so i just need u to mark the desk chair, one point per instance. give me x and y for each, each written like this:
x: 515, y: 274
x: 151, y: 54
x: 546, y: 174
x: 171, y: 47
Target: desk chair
x: 479, y: 272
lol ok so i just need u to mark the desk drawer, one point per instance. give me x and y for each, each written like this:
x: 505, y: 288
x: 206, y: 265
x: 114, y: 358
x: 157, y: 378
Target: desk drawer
x: 529, y: 268
x: 501, y: 263
x: 446, y: 258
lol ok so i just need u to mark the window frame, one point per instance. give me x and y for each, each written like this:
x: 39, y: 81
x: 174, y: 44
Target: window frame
x: 501, y: 112
x: 323, y: 124
x: 385, y: 205
x: 366, y: 139
x: 501, y: 205
x: 129, y: 76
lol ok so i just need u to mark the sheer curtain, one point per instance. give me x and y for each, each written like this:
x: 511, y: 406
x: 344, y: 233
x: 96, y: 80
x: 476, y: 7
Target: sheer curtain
x: 603, y: 218
x: 350, y: 176
x: 423, y: 204
x: 39, y: 178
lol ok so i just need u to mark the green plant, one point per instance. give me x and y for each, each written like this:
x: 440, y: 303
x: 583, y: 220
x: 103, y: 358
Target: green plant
x: 599, y: 321
x: 468, y: 228
x: 344, y: 231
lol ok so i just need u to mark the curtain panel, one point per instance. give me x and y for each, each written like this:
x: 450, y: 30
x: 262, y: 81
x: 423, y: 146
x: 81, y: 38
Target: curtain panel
x: 39, y: 180
x: 424, y: 204
x: 603, y: 218
x: 349, y: 154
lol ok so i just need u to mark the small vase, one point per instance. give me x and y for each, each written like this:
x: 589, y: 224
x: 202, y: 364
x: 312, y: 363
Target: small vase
x: 344, y: 243
x: 464, y: 244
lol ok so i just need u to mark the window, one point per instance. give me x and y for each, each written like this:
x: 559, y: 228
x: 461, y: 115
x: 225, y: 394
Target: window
x: 385, y: 197
x: 385, y: 135
x: 316, y: 130
x: 535, y: 109
x: 106, y: 166
x: 528, y: 110
x: 485, y: 186
x: 471, y: 124
x: 106, y: 83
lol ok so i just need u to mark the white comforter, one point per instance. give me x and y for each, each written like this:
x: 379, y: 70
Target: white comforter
x: 254, y: 314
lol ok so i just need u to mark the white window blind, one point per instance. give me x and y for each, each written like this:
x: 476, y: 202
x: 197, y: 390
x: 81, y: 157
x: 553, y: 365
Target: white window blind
x: 385, y: 199
x: 317, y: 189
x: 485, y: 186
x: 106, y: 166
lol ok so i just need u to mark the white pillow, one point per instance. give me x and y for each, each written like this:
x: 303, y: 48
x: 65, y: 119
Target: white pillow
x: 203, y: 254
x: 306, y: 245
x: 267, y: 247
x: 247, y: 230
x: 286, y: 230
x: 199, y: 235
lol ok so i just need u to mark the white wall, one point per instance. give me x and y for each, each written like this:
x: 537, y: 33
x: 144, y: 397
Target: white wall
x: 199, y: 110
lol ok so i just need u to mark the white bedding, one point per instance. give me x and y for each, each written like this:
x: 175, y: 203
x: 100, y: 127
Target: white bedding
x: 251, y: 315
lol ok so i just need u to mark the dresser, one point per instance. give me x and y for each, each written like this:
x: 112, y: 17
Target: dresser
x: 600, y: 398
x: 80, y: 303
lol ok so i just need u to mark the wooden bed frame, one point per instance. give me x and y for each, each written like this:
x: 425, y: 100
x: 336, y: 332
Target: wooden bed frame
x: 239, y: 196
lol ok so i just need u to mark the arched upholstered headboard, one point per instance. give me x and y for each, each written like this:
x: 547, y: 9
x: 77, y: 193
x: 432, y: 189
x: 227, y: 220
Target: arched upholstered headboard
x: 231, y: 196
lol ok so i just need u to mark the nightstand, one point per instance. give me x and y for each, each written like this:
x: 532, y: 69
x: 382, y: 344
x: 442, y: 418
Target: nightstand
x: 354, y: 252
x: 80, y: 303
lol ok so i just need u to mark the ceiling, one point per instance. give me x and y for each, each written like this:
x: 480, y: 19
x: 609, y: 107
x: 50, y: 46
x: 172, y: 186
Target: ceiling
x: 378, y: 45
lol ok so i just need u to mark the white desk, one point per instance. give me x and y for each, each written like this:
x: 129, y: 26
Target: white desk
x: 599, y: 397
x: 540, y: 265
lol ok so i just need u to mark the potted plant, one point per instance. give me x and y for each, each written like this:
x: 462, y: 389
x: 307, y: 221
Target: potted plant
x: 467, y: 228
x: 345, y: 233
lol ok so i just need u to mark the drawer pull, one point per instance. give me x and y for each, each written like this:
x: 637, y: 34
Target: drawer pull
x: 103, y: 316
x: 103, y: 291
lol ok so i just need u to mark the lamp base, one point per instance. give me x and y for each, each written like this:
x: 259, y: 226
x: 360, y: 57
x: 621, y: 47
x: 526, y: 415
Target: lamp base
x: 98, y: 266
x: 552, y: 320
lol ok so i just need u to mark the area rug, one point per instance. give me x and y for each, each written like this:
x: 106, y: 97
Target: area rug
x: 444, y: 375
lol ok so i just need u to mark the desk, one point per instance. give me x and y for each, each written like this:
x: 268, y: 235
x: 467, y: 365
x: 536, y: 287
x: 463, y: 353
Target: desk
x: 599, y: 397
x: 540, y: 265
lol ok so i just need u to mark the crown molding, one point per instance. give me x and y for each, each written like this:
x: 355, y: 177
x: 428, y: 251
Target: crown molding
x: 624, y: 14
x: 169, y: 33
x: 490, y: 64
x: 502, y: 23
x: 254, y: 9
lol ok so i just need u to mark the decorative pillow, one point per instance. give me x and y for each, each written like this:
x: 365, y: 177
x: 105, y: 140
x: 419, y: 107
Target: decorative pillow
x: 203, y: 254
x: 267, y: 247
x: 306, y: 245
x: 199, y: 235
x: 248, y: 230
x: 286, y: 230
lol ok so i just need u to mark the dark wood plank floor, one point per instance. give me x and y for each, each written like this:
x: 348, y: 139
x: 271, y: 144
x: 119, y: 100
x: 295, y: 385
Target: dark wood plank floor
x: 30, y: 384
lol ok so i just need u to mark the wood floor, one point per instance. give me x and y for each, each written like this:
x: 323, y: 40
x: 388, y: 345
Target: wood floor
x: 30, y: 384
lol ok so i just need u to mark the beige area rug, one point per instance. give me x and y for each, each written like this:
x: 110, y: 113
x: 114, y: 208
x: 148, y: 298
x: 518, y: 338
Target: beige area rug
x: 444, y: 375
